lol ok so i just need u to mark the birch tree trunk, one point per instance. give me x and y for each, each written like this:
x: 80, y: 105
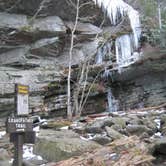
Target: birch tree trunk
x: 159, y: 14
x: 69, y: 108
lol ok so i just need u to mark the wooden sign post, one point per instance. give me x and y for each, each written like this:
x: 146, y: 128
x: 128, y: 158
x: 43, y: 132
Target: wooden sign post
x: 18, y: 150
x: 20, y: 126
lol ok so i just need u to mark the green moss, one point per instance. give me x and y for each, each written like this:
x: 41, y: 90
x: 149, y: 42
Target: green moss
x: 57, y: 124
x: 27, y: 28
x: 51, y: 151
x: 106, y: 35
x: 94, y: 88
x: 53, y: 85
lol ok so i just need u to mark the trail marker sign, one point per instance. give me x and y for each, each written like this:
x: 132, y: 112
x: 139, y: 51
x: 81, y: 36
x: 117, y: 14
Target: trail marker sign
x: 22, y: 92
x: 20, y: 126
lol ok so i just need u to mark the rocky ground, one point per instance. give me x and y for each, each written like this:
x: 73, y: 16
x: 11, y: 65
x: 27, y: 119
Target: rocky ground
x: 134, y: 138
x: 35, y: 43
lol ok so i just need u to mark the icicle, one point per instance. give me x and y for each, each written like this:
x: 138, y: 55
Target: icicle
x: 103, y: 52
x: 109, y: 44
x: 135, y: 24
x: 116, y: 8
x: 99, y: 56
x: 106, y: 73
x: 125, y: 51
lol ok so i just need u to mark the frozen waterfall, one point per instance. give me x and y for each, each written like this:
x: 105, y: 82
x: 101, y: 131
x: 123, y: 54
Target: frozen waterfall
x: 125, y: 45
x: 117, y: 9
x: 112, y: 103
x: 125, y: 53
x: 102, y: 52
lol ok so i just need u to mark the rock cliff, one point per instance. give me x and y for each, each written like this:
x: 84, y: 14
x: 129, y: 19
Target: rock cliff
x: 35, y: 42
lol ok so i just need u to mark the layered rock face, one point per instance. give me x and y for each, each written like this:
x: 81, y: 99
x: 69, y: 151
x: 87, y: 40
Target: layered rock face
x: 142, y: 85
x: 35, y: 43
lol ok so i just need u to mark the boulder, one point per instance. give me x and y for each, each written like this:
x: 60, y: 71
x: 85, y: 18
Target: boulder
x: 113, y: 134
x: 78, y: 127
x: 120, y: 121
x: 60, y: 145
x: 138, y: 129
x: 159, y: 147
x: 102, y: 140
x: 52, y: 124
x: 163, y: 130
x: 122, y: 152
x: 98, y: 125
x: 34, y: 162
x: 163, y: 125
x: 134, y: 120
x: 95, y: 127
x: 4, y: 155
x: 150, y: 123
x: 4, y: 158
x: 108, y: 122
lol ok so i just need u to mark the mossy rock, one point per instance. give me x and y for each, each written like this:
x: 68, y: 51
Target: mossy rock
x: 58, y: 149
x: 56, y: 124
x: 53, y: 85
x: 27, y: 28
x: 120, y: 121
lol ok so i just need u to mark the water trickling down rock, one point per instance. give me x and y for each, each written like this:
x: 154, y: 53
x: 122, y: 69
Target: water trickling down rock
x: 112, y: 103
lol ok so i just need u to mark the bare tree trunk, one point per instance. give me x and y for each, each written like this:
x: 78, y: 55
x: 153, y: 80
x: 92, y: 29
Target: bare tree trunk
x: 84, y: 88
x: 89, y: 90
x: 77, y: 88
x: 159, y: 14
x: 75, y: 100
x: 69, y: 109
